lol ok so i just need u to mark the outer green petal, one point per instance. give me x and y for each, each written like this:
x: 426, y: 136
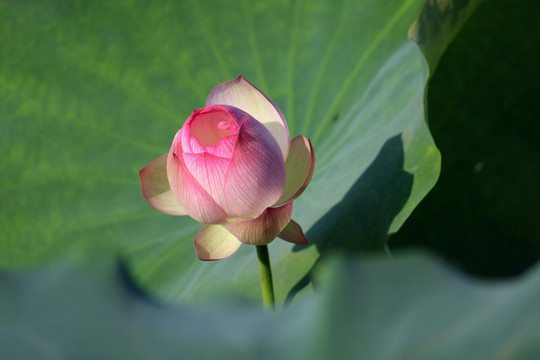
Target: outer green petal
x: 214, y: 242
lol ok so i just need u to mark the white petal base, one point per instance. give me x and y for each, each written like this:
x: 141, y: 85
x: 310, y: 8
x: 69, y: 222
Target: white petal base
x: 214, y: 242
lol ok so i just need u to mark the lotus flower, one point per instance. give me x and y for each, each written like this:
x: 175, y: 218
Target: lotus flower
x: 233, y: 167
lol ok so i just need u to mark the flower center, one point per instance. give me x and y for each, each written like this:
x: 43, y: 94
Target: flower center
x: 210, y: 127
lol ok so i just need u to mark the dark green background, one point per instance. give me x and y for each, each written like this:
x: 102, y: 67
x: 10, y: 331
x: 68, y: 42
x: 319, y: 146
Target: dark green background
x: 484, y: 113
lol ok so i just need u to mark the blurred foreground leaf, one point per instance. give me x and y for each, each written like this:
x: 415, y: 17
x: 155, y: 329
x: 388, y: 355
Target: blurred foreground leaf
x: 411, y: 307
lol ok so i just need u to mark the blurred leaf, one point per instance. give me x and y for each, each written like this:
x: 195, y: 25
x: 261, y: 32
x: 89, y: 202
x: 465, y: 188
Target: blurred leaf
x: 484, y: 112
x: 411, y: 307
x: 90, y: 92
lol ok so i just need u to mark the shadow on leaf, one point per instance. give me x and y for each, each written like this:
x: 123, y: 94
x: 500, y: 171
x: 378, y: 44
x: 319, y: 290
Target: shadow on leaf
x: 361, y: 221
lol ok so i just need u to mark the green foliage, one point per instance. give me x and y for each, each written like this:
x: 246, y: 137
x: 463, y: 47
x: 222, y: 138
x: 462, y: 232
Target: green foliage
x: 411, y: 307
x: 438, y: 24
x: 93, y: 91
x: 484, y: 115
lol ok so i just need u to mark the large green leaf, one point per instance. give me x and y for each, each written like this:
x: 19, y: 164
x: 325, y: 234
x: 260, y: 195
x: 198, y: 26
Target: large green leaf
x: 410, y: 307
x: 484, y: 114
x: 91, y: 91
x: 438, y: 24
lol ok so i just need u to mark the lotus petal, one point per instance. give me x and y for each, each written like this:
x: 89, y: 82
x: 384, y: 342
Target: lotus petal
x: 293, y: 233
x: 189, y: 193
x: 263, y: 229
x: 214, y: 242
x: 241, y: 94
x: 156, y: 189
x: 299, y: 169
x: 256, y: 175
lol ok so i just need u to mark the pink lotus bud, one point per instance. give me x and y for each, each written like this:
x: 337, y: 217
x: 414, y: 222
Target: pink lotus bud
x: 233, y: 167
x: 224, y: 164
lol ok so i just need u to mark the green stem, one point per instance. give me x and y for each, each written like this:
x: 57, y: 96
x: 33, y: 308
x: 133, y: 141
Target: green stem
x: 267, y: 287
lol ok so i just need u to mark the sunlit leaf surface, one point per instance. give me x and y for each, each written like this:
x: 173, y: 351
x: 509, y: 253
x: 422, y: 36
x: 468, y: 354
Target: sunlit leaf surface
x: 90, y: 92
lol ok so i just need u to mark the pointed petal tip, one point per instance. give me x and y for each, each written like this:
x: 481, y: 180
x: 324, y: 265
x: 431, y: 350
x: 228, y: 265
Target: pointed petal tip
x: 242, y: 94
x: 293, y: 233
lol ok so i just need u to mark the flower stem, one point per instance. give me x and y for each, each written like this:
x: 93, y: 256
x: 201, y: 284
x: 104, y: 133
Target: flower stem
x: 267, y: 287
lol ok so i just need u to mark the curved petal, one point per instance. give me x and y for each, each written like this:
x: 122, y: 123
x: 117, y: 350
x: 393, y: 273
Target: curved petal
x: 263, y: 229
x: 156, y: 190
x: 241, y: 94
x: 256, y: 175
x: 212, y: 129
x: 299, y: 168
x: 214, y: 242
x: 189, y: 193
x: 209, y: 172
x: 293, y: 233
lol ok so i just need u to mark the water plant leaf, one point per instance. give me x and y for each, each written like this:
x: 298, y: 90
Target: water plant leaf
x: 90, y: 92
